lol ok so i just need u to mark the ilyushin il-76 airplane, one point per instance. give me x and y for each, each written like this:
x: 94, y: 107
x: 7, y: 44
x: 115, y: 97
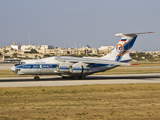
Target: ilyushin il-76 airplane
x: 79, y: 67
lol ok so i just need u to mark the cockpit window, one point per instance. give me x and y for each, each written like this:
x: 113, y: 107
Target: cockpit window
x: 20, y: 63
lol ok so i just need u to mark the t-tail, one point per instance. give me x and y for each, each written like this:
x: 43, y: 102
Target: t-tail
x: 121, y: 51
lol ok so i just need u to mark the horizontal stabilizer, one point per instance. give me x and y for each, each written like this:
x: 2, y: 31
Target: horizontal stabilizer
x: 131, y: 34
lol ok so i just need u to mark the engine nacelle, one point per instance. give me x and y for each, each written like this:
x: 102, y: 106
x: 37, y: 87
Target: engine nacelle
x: 64, y: 67
x: 76, y: 69
x: 79, y: 68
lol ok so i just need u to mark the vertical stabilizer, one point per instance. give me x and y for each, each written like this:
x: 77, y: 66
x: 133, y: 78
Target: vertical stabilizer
x: 122, y: 49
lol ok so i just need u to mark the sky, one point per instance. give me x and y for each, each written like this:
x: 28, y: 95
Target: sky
x: 77, y: 23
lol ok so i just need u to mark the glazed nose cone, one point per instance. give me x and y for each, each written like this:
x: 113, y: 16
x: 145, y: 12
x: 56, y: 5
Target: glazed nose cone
x: 12, y: 68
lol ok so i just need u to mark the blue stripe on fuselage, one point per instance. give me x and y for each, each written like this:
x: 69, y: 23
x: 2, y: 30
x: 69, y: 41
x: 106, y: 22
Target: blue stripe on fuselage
x: 36, y: 66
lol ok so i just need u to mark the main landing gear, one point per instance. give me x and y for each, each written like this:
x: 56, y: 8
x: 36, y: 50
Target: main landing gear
x: 36, y: 77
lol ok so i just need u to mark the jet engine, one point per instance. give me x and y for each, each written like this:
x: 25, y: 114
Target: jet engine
x: 79, y: 68
x: 64, y: 67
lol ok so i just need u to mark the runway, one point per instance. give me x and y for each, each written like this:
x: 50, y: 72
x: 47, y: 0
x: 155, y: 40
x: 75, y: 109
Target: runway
x: 92, y: 79
x: 6, y: 66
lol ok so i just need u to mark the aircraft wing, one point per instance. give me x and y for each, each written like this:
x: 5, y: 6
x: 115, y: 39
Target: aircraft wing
x: 89, y: 60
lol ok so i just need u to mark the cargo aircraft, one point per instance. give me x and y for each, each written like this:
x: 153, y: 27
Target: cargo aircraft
x: 79, y: 67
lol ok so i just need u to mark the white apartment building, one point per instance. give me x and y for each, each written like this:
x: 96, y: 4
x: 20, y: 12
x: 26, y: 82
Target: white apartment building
x: 106, y: 48
x: 37, y: 47
x: 45, y: 47
x: 16, y: 47
x: 26, y: 47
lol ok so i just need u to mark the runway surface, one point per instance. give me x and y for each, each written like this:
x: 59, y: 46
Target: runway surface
x: 6, y: 66
x: 92, y: 79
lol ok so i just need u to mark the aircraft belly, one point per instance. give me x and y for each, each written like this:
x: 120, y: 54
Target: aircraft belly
x: 45, y: 71
x: 101, y: 69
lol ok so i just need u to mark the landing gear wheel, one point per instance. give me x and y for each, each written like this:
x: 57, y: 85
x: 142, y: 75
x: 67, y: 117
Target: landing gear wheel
x: 78, y: 77
x: 82, y: 77
x: 36, y: 77
x: 74, y: 77
x: 64, y: 77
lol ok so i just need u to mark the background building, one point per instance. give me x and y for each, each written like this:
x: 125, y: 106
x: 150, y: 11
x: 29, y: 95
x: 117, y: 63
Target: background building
x: 16, y: 47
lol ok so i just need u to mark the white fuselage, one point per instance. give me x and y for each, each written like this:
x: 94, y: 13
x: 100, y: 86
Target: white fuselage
x: 51, y: 66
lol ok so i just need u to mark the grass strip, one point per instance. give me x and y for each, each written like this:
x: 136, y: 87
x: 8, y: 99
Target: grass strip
x: 131, y: 101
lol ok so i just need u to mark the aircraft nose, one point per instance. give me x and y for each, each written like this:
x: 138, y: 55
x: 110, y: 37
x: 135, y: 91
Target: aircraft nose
x: 12, y: 68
